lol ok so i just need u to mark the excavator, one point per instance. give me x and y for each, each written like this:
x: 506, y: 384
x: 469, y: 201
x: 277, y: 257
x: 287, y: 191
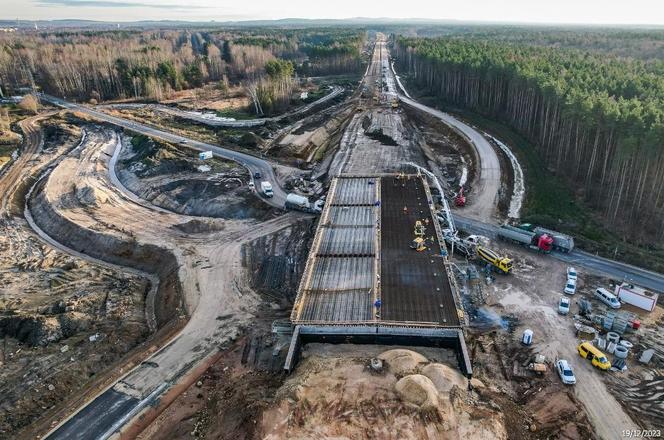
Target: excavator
x: 419, y: 244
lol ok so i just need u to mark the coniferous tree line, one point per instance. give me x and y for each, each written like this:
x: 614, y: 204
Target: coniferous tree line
x: 596, y: 119
x: 640, y: 43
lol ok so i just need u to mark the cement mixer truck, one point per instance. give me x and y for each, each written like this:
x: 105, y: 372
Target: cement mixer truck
x: 301, y: 203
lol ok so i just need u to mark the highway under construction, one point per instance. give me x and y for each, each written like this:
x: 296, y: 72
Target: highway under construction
x: 366, y: 282
x: 120, y: 229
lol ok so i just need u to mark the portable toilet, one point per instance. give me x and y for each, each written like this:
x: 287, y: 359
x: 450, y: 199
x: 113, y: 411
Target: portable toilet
x: 527, y: 337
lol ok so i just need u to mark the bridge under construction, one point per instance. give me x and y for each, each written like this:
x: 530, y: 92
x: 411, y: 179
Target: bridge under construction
x: 367, y: 281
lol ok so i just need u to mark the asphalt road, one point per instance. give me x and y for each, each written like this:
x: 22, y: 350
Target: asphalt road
x: 111, y: 405
x: 593, y: 263
x: 252, y: 163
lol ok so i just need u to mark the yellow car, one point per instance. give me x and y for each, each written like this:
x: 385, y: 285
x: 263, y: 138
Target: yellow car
x: 597, y: 358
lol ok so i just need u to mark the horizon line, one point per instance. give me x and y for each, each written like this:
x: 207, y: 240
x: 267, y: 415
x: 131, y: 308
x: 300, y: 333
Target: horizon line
x: 366, y: 19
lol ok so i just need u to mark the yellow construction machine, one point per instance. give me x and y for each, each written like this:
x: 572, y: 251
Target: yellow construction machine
x: 499, y: 263
x: 419, y: 244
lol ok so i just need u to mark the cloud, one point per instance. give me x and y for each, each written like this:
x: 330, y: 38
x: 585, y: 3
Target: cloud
x: 114, y: 4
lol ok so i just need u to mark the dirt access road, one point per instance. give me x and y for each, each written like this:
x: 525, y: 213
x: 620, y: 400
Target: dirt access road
x: 14, y: 173
x: 213, y: 283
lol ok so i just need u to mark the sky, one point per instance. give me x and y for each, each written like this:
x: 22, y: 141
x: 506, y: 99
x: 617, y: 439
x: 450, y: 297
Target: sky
x: 530, y: 11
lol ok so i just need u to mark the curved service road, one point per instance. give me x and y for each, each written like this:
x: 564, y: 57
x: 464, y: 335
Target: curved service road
x: 252, y: 163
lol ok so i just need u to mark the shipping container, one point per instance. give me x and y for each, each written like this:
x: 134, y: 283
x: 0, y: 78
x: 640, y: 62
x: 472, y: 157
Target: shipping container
x: 637, y: 296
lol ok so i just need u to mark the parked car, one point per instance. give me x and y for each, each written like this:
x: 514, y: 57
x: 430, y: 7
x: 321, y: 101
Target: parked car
x: 570, y: 287
x: 565, y: 372
x: 564, y: 305
x: 596, y: 357
x: 571, y: 273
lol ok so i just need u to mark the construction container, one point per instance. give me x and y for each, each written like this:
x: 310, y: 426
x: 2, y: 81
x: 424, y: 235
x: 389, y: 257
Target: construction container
x: 527, y: 337
x: 612, y: 337
x: 625, y: 343
x: 637, y: 296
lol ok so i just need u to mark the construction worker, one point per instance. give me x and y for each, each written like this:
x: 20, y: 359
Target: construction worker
x: 405, y: 210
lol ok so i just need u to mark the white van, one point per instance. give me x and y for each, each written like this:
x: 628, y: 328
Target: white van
x: 266, y: 187
x: 607, y: 298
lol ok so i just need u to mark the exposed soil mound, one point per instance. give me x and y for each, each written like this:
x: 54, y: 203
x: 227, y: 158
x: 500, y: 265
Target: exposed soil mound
x: 418, y: 390
x: 401, y: 362
x: 33, y: 330
x: 277, y: 261
x: 199, y: 226
x: 89, y: 196
x: 381, y: 137
x: 551, y: 406
x: 174, y: 178
x: 334, y: 394
x: 444, y: 377
x: 37, y: 330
